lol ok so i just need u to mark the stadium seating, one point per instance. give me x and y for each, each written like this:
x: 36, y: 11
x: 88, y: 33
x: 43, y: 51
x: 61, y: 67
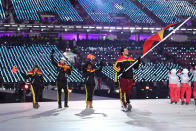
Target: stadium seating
x: 100, y: 11
x: 169, y: 11
x: 160, y: 61
x: 29, y: 9
x: 2, y: 13
x: 25, y: 57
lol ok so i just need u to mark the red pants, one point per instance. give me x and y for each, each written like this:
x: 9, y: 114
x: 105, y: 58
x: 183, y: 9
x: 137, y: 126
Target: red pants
x: 185, y: 88
x: 194, y: 90
x: 126, y: 89
x: 174, y: 92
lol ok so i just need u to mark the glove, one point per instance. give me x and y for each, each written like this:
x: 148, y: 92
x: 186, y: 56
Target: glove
x: 139, y: 60
x: 52, y: 51
x: 179, y: 71
x: 116, y: 85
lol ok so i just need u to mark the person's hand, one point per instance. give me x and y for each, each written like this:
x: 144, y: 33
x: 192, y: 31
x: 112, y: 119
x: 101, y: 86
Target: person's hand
x: 139, y: 60
x: 116, y: 85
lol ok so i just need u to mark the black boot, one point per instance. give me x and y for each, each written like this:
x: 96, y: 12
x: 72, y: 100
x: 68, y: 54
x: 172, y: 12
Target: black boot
x: 195, y: 101
x: 60, y: 106
x: 65, y: 104
x: 176, y: 102
x: 187, y: 103
x: 182, y: 103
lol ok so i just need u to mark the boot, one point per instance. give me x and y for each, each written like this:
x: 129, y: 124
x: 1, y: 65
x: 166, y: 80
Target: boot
x: 90, y: 104
x: 171, y: 102
x: 187, y: 103
x: 60, y: 106
x: 37, y: 105
x: 176, y: 102
x: 34, y: 105
x: 87, y: 104
x: 129, y: 106
x: 195, y: 101
x: 182, y: 103
x: 65, y: 104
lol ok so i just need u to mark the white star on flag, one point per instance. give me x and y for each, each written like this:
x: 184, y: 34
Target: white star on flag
x: 171, y: 28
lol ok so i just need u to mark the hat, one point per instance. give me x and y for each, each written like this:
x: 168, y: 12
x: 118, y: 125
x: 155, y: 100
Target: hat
x: 185, y: 71
x: 173, y: 71
x: 62, y: 58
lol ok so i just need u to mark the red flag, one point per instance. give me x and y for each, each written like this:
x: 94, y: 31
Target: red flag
x: 158, y: 36
x: 14, y: 69
x: 90, y: 56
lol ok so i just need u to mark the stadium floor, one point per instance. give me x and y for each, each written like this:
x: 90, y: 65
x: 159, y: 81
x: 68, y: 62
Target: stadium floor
x: 146, y: 115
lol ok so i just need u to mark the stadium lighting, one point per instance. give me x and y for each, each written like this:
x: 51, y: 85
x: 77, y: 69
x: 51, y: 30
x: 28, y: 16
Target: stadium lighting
x: 112, y: 28
x: 85, y: 27
x: 98, y: 27
x: 145, y: 28
x: 57, y: 26
x: 14, y: 25
x: 26, y: 86
x: 132, y: 28
x: 147, y: 87
x: 43, y: 26
x: 151, y: 28
x: 78, y: 27
x: 106, y: 27
x: 125, y: 28
x: 158, y: 28
x: 183, y: 29
x: 91, y: 27
x: 7, y: 25
x: 119, y: 28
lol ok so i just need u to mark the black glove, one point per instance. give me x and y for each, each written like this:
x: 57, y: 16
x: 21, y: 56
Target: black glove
x: 116, y: 85
x: 139, y: 60
x: 52, y: 51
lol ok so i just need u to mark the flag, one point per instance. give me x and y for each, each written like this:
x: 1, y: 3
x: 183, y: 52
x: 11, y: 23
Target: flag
x: 90, y: 56
x: 159, y: 36
x: 14, y: 69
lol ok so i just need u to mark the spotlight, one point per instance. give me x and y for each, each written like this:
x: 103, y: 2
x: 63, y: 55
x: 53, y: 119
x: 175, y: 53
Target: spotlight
x: 26, y: 86
x: 147, y: 87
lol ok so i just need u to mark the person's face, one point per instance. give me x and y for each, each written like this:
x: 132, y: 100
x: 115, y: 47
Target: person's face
x: 126, y: 52
x: 36, y: 70
x: 62, y: 61
x: 89, y: 66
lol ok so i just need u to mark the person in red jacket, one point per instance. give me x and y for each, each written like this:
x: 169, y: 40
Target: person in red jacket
x: 193, y: 71
x: 127, y: 79
x: 36, y: 80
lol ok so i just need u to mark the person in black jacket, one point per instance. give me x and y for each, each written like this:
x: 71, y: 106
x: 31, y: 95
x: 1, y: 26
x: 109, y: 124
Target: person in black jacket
x: 90, y: 71
x: 61, y: 82
x: 36, y: 80
x: 127, y: 78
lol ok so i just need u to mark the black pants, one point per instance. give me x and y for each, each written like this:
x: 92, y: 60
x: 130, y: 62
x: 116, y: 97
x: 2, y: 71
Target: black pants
x: 62, y: 85
x: 89, y: 92
x: 35, y: 92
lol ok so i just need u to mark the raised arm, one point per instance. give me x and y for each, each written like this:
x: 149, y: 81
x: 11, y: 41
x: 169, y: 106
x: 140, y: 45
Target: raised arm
x: 52, y: 58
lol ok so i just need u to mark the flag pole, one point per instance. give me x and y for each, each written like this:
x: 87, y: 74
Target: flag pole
x: 157, y: 45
